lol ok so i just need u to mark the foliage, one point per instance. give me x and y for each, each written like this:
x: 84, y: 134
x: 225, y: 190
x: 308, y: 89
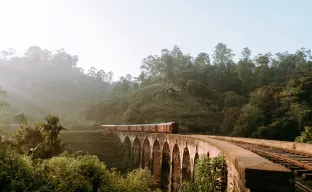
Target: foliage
x: 250, y: 118
x: 210, y: 174
x: 83, y: 173
x: 18, y: 173
x: 306, y: 135
x: 266, y: 96
x: 66, y: 173
x: 139, y: 180
x: 20, y: 118
x: 42, y: 82
x: 40, y: 139
x: 3, y: 95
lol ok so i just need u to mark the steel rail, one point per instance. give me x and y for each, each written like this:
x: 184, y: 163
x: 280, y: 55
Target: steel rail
x: 298, y: 184
x: 294, y: 162
x: 277, y: 148
x: 302, y: 187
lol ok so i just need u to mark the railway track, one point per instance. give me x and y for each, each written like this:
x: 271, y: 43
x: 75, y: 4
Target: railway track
x: 300, y: 163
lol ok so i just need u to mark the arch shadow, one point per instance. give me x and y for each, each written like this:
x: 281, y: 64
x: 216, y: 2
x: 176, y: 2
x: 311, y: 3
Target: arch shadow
x: 165, y: 167
x: 186, y: 166
x: 136, y: 155
x: 176, y: 169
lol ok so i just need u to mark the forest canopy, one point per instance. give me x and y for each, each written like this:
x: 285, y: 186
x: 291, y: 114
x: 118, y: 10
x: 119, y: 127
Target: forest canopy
x: 266, y: 96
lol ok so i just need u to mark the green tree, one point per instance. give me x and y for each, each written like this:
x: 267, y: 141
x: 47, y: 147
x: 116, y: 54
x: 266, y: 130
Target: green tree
x: 210, y: 174
x: 262, y: 71
x: 20, y: 118
x: 51, y: 129
x: 40, y: 139
x: 245, y: 71
x: 246, y: 53
x: 306, y: 135
x: 139, y: 180
x: 231, y: 111
x: 222, y: 55
x: 19, y: 174
x: 3, y: 95
x: 82, y: 173
x: 250, y: 118
x: 201, y: 61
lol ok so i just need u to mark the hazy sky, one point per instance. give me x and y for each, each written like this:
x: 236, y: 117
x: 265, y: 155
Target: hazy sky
x: 117, y: 34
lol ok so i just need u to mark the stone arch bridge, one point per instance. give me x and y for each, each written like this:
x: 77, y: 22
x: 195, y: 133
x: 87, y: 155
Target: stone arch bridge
x: 171, y: 159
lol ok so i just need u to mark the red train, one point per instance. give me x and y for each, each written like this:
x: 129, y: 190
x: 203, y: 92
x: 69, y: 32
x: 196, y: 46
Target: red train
x: 171, y: 127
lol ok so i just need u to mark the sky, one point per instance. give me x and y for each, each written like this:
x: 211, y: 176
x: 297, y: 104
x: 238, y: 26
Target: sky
x: 115, y: 35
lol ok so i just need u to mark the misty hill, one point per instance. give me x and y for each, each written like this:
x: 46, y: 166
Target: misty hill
x: 41, y: 83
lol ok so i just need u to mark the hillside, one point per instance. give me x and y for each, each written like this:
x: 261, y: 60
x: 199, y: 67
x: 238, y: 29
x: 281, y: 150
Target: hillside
x: 41, y: 82
x: 267, y: 96
x: 152, y: 105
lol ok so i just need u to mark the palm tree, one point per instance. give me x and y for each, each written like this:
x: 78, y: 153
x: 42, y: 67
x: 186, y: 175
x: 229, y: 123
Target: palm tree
x: 51, y: 129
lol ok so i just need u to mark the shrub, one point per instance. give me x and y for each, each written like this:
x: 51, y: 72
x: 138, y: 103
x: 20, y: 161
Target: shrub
x: 84, y: 173
x: 210, y: 175
x: 18, y: 173
x: 139, y: 180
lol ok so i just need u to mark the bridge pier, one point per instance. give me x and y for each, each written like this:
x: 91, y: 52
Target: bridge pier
x: 136, y: 153
x: 165, y: 167
x: 146, y: 154
x: 156, y: 159
x: 176, y: 169
x: 186, y: 166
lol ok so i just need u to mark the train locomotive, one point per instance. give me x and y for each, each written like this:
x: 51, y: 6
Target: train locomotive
x: 170, y: 127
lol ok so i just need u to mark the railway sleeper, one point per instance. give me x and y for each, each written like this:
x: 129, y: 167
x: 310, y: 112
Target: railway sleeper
x: 302, y: 171
x: 292, y: 167
x: 303, y: 159
x: 289, y: 155
x: 307, y: 176
x: 284, y: 163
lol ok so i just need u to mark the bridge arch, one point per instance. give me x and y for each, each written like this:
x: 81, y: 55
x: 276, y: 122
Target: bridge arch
x: 186, y: 166
x: 136, y: 152
x: 156, y: 161
x: 176, y: 168
x: 165, y: 167
x: 195, y: 159
x: 127, y: 162
x: 146, y: 156
x: 127, y: 147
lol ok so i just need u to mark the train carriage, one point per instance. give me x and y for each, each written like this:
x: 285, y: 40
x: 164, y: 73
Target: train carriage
x: 161, y: 128
x: 122, y: 128
x: 152, y: 128
x: 146, y: 128
x: 139, y: 128
x: 132, y: 128
x: 109, y: 127
x: 170, y: 127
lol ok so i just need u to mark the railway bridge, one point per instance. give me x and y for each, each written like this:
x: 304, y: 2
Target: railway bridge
x: 171, y: 158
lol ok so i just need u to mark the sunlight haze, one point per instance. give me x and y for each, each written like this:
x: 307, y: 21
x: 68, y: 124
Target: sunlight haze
x: 156, y: 95
x: 117, y: 35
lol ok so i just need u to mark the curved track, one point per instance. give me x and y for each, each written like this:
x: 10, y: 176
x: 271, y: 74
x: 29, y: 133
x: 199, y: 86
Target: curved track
x: 300, y: 163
